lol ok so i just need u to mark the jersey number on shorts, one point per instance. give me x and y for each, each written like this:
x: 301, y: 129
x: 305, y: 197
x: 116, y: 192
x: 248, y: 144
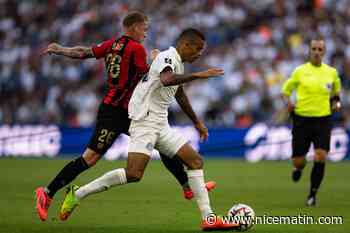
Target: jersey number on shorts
x: 106, y: 136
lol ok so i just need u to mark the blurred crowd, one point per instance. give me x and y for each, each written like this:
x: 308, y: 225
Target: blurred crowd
x: 258, y: 43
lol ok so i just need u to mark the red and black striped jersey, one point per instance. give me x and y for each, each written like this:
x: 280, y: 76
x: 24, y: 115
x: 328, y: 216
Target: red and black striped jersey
x: 126, y: 63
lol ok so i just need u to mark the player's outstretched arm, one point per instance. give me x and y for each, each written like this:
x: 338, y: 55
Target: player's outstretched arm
x: 168, y: 78
x: 186, y: 106
x: 184, y: 103
x: 77, y: 52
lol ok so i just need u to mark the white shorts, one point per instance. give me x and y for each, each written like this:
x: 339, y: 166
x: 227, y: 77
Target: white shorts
x: 147, y: 135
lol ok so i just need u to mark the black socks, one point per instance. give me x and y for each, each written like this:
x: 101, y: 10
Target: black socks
x: 66, y: 175
x: 316, y: 177
x: 175, y: 166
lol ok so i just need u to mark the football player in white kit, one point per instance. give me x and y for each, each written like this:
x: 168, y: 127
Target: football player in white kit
x: 149, y: 128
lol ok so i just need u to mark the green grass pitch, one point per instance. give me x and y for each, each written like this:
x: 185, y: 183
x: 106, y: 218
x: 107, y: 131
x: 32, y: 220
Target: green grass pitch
x: 156, y: 203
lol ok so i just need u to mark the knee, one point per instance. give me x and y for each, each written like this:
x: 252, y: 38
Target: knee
x: 196, y: 163
x: 299, y: 163
x: 91, y: 157
x: 133, y: 176
x: 320, y: 155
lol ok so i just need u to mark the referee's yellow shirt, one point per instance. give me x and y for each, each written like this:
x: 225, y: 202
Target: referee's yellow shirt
x: 314, y: 86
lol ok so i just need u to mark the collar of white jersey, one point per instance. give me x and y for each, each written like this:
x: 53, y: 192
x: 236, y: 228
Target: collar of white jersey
x: 177, y: 55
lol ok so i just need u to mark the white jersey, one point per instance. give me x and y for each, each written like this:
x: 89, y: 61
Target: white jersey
x: 150, y: 98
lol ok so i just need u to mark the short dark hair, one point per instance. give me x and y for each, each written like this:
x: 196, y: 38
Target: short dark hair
x: 190, y: 34
x: 316, y: 38
x: 134, y: 17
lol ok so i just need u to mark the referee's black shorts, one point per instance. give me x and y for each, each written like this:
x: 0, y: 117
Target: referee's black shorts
x: 110, y: 123
x: 307, y: 130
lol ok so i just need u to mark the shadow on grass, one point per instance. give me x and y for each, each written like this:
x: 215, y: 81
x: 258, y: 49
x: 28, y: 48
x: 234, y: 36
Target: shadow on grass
x: 54, y: 228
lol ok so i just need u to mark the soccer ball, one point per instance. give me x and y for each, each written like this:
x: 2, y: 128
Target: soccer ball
x: 243, y: 214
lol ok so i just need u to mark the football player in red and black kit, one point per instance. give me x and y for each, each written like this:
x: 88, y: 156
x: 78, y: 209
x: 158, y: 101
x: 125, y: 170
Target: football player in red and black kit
x: 126, y: 63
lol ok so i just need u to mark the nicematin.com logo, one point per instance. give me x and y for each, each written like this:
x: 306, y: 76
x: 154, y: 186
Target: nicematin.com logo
x: 302, y: 219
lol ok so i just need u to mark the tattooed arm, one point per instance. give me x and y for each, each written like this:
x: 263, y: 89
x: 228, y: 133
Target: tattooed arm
x: 77, y: 52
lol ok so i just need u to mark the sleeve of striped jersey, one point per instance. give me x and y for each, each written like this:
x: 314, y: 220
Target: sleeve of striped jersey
x: 102, y: 49
x: 291, y: 84
x: 141, y: 60
x: 337, y: 84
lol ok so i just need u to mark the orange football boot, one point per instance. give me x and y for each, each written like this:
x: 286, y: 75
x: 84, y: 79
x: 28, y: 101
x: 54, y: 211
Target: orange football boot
x: 43, y: 202
x: 217, y: 223
x: 210, y: 185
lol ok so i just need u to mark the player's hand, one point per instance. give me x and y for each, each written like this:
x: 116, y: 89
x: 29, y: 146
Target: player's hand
x: 154, y: 53
x: 202, y: 130
x: 336, y: 106
x: 213, y: 72
x: 51, y: 49
x: 290, y: 106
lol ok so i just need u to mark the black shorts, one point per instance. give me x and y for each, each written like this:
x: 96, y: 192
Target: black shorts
x: 307, y: 130
x: 111, y: 122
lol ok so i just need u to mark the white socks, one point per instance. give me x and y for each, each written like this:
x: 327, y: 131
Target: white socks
x: 196, y: 182
x: 118, y: 177
x: 109, y: 179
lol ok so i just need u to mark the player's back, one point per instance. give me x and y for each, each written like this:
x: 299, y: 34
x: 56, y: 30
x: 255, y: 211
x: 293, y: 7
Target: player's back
x: 126, y: 62
x: 151, y: 98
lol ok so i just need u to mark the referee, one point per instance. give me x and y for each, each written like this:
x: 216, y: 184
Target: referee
x: 317, y: 86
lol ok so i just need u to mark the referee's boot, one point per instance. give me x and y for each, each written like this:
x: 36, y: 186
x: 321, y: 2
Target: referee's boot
x: 311, y: 201
x: 296, y: 174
